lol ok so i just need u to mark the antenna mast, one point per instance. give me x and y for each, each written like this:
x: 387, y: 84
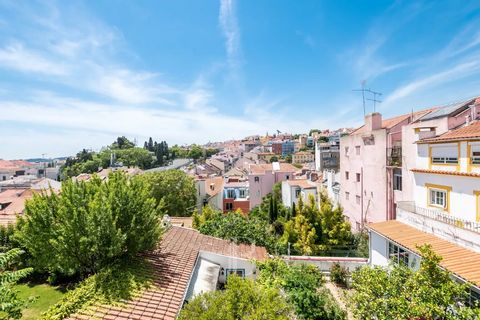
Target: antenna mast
x: 375, y: 94
x: 363, y: 95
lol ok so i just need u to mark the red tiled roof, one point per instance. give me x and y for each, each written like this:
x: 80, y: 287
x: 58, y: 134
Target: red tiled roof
x: 216, y: 183
x: 452, y: 173
x: 262, y: 168
x: 173, y: 262
x: 391, y: 122
x: 302, y: 183
x: 470, y: 131
x: 14, y: 202
x: 14, y: 164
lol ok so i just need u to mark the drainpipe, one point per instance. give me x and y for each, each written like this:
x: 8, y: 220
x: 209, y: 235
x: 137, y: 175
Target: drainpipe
x: 361, y: 204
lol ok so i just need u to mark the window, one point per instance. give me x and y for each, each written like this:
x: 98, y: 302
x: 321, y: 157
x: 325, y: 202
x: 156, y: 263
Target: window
x: 445, y: 160
x: 438, y: 198
x: 475, y: 157
x: 357, y: 150
x: 287, y: 177
x: 243, y: 193
x: 230, y: 193
x: 357, y: 199
x: 228, y: 206
x: 397, y: 254
x: 346, y: 175
x: 358, y: 177
x: 257, y: 179
x: 238, y: 272
x: 297, y: 192
x: 397, y: 179
x: 346, y: 151
x: 347, y: 195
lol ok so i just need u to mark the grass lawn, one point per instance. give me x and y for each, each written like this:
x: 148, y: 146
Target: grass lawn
x: 46, y: 296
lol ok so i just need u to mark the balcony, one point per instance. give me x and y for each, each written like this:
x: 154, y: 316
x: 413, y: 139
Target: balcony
x: 394, y: 157
x: 463, y: 232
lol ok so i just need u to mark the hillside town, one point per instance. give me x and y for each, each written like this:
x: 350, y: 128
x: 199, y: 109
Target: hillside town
x: 239, y: 160
x: 403, y: 183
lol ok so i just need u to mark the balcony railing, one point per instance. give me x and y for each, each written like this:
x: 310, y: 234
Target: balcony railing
x: 439, y: 216
x: 394, y: 157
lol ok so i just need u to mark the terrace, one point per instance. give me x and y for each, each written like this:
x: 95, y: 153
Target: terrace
x: 463, y: 232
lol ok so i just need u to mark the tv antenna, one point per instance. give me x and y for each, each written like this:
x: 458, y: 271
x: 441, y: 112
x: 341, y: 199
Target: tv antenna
x: 375, y: 94
x: 363, y: 94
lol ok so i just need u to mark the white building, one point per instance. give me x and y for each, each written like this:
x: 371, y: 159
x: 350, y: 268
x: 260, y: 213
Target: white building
x: 292, y: 190
x: 444, y: 210
x: 331, y: 183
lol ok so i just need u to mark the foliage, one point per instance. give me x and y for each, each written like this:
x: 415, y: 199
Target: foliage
x: 175, y: 188
x: 339, y: 274
x: 312, y: 230
x: 402, y: 293
x: 44, y: 296
x: 273, y: 159
x: 242, y: 299
x: 7, y: 240
x: 288, y: 158
x: 10, y: 305
x: 160, y: 150
x: 302, y: 285
x: 235, y: 226
x: 90, y: 225
x: 113, y: 284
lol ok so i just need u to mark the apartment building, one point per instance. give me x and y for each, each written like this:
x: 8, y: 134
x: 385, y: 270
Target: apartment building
x: 303, y: 157
x: 236, y: 195
x: 364, y: 168
x: 262, y: 177
x: 444, y: 210
x: 293, y: 190
x: 327, y: 155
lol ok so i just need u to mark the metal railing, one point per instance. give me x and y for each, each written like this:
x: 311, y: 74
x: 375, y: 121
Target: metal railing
x: 394, y: 157
x: 439, y: 216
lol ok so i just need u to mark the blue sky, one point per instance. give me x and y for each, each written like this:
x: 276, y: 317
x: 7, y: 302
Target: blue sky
x: 77, y: 74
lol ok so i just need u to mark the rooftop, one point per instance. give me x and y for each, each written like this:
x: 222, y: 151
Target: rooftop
x: 458, y: 260
x: 453, y: 173
x: 12, y: 202
x: 449, y: 109
x: 392, y: 122
x: 302, y: 183
x: 467, y: 132
x: 276, y: 166
x: 174, y: 262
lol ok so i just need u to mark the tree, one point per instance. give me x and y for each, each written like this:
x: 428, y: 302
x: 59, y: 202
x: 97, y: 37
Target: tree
x: 89, y: 225
x: 274, y: 159
x: 288, y: 158
x: 195, y: 152
x: 176, y: 189
x: 241, y: 299
x: 336, y: 229
x: 122, y: 143
x: 10, y: 305
x: 402, y: 293
x: 303, y: 287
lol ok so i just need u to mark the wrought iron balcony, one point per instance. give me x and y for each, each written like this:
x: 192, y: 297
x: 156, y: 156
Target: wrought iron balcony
x: 394, y: 157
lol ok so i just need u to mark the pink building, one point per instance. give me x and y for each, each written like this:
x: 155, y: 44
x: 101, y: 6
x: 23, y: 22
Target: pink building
x: 368, y: 161
x: 262, y: 177
x: 377, y: 158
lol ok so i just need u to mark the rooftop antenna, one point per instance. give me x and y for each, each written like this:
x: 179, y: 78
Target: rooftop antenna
x: 375, y: 94
x: 363, y: 94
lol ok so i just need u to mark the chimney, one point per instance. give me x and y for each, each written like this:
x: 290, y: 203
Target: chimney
x: 373, y: 121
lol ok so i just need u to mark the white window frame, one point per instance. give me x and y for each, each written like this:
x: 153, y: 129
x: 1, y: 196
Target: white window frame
x: 434, y: 197
x: 398, y: 254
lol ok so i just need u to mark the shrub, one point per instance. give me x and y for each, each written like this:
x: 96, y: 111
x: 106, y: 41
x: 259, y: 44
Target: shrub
x: 339, y: 274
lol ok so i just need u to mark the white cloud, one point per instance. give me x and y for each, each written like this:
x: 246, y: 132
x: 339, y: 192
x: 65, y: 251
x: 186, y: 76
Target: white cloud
x: 15, y: 56
x: 231, y: 31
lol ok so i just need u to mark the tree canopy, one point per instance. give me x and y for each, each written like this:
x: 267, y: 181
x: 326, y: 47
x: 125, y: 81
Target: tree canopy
x: 175, y: 188
x: 90, y: 224
x: 400, y: 292
x: 241, y: 299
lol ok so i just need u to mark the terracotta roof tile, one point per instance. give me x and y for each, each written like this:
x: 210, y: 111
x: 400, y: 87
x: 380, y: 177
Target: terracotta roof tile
x: 467, y: 132
x: 452, y: 173
x: 173, y: 263
x: 458, y: 260
x: 391, y: 122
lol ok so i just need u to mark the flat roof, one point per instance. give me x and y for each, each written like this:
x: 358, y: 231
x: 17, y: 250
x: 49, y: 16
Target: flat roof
x: 461, y: 261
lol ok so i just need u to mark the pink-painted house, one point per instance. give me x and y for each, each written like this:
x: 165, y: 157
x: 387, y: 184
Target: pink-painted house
x: 367, y: 167
x: 262, y: 177
x: 377, y: 158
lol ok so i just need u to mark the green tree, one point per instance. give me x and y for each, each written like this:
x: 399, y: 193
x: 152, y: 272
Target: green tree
x: 288, y: 158
x: 402, y: 293
x: 274, y: 159
x: 122, y: 143
x: 176, y: 189
x: 241, y: 299
x: 10, y: 305
x: 336, y: 229
x: 90, y: 225
x: 303, y: 287
x: 195, y: 152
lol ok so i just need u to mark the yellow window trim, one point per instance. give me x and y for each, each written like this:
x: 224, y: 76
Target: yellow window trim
x: 477, y: 198
x: 430, y: 186
x: 457, y: 165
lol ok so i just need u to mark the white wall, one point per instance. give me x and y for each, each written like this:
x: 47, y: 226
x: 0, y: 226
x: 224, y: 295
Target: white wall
x: 378, y: 250
x: 229, y: 262
x: 286, y: 194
